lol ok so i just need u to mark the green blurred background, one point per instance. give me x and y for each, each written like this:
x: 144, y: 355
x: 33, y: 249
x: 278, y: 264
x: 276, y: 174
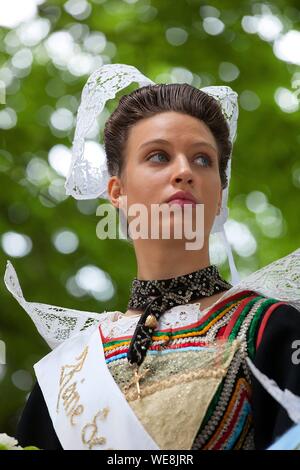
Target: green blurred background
x: 47, y: 51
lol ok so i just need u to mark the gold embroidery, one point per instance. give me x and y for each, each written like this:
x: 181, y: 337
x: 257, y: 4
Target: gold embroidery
x: 92, y: 427
x: 162, y: 366
x: 210, y: 365
x: 69, y: 394
x: 136, y: 380
x: 70, y: 398
x: 105, y: 412
x: 66, y: 377
x: 170, y: 382
x: 77, y: 412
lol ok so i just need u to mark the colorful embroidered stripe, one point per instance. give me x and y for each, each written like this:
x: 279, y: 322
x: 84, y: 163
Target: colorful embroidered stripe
x: 198, y: 328
x: 231, y: 422
x: 157, y: 349
x: 265, y: 320
x: 155, y: 352
x: 263, y: 312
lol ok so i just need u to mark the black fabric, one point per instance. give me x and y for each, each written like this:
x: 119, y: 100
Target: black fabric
x: 274, y: 359
x: 35, y: 426
x: 156, y: 296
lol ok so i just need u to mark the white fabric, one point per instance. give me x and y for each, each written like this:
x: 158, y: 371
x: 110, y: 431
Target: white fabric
x: 279, y: 280
x: 66, y: 377
x: 235, y: 278
x: 55, y: 324
x: 118, y: 325
x: 288, y: 441
x: 88, y: 179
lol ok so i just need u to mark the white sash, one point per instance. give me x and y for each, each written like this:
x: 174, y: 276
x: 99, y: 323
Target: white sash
x: 87, y: 408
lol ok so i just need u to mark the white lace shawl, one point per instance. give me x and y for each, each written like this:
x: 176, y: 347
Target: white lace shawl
x: 279, y: 280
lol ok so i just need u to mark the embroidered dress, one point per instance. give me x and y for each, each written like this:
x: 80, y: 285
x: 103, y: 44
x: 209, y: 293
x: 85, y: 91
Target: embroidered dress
x: 191, y: 399
x: 228, y: 422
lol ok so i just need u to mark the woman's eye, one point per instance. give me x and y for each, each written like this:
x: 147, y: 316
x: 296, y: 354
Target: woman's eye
x: 155, y: 155
x: 208, y: 160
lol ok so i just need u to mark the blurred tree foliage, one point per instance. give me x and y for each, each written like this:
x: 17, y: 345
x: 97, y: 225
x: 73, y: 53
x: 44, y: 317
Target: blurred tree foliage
x: 187, y: 40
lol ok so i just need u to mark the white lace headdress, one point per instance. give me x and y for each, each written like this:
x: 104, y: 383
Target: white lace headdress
x: 88, y: 179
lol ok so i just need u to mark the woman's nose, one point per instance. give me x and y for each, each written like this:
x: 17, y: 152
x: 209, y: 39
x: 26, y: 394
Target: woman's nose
x: 182, y: 170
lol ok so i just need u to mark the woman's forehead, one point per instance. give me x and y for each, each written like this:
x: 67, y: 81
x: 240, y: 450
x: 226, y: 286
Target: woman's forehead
x: 169, y: 126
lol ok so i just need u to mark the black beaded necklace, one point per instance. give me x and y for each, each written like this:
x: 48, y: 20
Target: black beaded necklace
x: 157, y: 296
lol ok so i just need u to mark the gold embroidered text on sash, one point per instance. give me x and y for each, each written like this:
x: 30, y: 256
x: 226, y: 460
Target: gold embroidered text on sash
x: 68, y: 392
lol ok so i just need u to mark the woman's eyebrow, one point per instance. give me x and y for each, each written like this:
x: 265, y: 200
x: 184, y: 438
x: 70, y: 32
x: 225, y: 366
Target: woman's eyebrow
x: 163, y: 141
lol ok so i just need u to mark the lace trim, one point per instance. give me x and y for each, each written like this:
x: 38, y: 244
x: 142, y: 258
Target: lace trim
x: 180, y: 315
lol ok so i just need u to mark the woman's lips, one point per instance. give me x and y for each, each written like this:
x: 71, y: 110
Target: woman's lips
x: 182, y: 202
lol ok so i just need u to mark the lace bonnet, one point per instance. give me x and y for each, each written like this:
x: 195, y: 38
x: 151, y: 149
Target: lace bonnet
x: 88, y: 179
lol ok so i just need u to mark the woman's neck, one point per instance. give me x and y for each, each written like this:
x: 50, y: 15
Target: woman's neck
x: 156, y: 263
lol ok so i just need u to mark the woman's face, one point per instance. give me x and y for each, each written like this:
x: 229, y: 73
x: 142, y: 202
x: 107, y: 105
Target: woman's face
x: 187, y: 160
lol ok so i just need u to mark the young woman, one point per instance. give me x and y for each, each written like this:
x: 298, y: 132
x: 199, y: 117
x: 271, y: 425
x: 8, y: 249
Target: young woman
x: 172, y: 372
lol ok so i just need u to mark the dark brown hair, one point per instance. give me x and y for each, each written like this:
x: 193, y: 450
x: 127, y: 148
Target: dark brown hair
x: 149, y: 100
